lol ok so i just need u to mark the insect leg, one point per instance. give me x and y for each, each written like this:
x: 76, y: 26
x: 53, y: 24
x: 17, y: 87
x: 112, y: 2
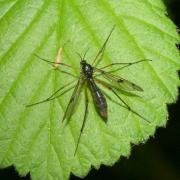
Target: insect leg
x: 85, y: 116
x: 126, y: 106
x: 68, y: 73
x: 127, y: 65
x: 54, y: 64
x: 73, y: 100
x: 118, y: 64
x: 52, y: 97
x: 101, y: 51
x: 50, y: 62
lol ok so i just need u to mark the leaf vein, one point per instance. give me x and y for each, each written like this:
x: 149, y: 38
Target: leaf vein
x: 4, y: 59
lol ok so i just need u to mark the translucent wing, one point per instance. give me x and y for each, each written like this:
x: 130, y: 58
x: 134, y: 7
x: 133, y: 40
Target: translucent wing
x: 73, y: 100
x: 120, y: 82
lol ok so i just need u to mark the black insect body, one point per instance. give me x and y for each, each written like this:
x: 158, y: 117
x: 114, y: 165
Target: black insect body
x: 98, y: 96
x: 88, y: 79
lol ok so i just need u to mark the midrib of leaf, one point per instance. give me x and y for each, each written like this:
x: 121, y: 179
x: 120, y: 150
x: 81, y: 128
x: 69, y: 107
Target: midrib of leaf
x: 60, y: 23
x: 51, y: 144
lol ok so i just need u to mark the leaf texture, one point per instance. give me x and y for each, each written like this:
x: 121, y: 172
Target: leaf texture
x: 34, y: 139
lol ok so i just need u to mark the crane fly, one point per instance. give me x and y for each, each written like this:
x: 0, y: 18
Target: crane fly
x: 88, y: 78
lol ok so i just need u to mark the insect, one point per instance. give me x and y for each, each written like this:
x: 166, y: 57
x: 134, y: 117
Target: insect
x: 88, y: 78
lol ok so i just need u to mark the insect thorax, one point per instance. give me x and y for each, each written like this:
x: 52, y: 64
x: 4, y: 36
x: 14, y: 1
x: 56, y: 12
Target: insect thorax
x: 87, y: 69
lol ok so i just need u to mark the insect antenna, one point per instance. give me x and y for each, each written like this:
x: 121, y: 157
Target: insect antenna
x: 79, y: 56
x: 82, y: 58
x: 85, y: 52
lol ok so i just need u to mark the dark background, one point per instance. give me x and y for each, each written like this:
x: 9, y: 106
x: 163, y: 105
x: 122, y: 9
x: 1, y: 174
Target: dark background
x: 158, y: 159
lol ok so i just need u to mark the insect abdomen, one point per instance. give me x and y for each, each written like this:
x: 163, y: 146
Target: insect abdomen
x: 99, y: 99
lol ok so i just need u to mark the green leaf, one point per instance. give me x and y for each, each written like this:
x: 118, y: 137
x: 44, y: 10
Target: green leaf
x: 34, y: 139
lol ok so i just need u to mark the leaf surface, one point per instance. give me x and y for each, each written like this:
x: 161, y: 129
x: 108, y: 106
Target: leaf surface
x: 34, y: 139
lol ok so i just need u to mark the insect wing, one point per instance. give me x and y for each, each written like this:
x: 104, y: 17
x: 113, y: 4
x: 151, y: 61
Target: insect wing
x: 99, y: 99
x: 120, y: 82
x: 73, y: 100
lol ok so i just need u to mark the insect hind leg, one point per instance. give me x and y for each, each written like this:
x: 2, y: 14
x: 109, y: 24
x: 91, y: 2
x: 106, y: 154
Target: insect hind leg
x: 126, y: 106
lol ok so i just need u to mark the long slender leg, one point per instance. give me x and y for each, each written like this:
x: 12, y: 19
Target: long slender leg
x: 51, y: 97
x: 50, y: 62
x: 85, y: 116
x: 118, y: 96
x: 125, y: 64
x: 101, y: 51
x: 73, y: 100
x: 57, y: 61
x: 70, y: 74
x: 53, y: 63
x: 114, y: 64
x: 46, y: 100
x: 128, y: 107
